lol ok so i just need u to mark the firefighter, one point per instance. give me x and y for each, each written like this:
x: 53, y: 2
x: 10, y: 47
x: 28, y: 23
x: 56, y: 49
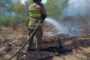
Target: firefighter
x: 36, y: 13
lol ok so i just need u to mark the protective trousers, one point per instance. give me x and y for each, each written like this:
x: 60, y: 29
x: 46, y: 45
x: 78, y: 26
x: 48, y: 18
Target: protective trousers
x: 38, y: 35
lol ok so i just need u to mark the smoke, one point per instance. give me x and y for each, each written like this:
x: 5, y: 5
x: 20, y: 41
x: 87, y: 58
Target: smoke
x: 75, y: 17
x: 77, y: 7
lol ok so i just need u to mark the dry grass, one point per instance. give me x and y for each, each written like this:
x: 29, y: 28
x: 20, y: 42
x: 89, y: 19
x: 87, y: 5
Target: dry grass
x: 79, y: 44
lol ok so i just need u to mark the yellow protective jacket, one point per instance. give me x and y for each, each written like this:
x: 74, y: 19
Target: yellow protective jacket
x: 34, y: 15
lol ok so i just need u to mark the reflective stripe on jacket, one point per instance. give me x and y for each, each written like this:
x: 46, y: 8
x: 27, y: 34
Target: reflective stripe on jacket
x: 34, y: 15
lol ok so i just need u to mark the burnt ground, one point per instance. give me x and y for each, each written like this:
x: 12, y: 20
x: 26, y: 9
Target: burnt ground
x: 12, y: 40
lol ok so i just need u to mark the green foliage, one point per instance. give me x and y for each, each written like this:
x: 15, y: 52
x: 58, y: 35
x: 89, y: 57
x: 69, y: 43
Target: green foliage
x: 10, y: 20
x: 55, y: 7
x: 49, y: 8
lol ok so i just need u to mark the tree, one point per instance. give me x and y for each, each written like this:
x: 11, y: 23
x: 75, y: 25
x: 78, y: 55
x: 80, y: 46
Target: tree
x: 55, y: 7
x: 19, y: 8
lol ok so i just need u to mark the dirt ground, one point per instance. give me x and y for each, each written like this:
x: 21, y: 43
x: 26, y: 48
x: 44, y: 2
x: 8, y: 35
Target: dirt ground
x: 11, y: 41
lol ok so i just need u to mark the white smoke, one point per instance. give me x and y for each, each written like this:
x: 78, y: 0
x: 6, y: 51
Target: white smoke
x: 76, y: 7
x: 77, y: 16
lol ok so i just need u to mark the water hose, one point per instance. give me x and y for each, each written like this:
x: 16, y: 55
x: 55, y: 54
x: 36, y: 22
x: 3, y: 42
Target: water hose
x: 32, y: 34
